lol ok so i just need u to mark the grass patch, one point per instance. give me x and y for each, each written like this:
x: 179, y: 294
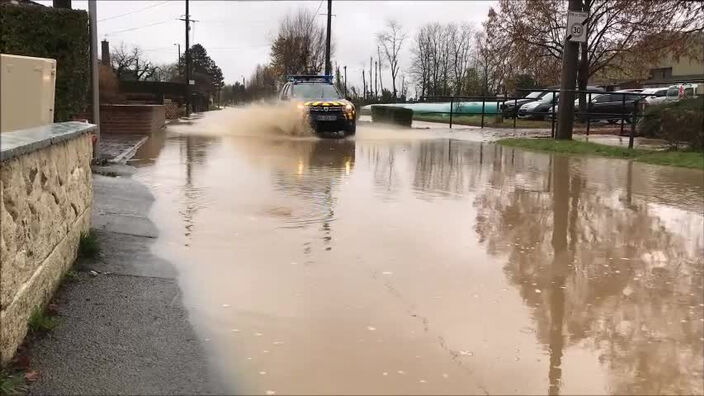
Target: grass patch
x: 41, y: 322
x: 679, y: 158
x: 88, y: 246
x: 70, y: 276
x: 476, y: 120
x: 12, y: 383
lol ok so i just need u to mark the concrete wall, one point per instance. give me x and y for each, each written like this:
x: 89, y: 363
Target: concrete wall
x: 131, y: 118
x: 45, y: 204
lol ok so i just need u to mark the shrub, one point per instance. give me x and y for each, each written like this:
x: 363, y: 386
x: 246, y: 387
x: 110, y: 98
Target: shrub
x: 676, y: 122
x: 55, y: 33
x: 392, y: 115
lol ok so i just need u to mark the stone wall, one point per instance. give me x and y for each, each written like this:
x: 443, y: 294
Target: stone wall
x: 131, y: 118
x: 45, y: 204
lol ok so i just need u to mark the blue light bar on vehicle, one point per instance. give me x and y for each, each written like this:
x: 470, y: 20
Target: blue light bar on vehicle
x: 310, y: 78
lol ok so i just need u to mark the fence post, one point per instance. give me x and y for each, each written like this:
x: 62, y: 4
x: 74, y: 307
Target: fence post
x: 515, y: 111
x: 483, y: 103
x: 452, y: 101
x: 632, y: 135
x: 552, y: 112
x: 586, y: 109
x: 623, y: 111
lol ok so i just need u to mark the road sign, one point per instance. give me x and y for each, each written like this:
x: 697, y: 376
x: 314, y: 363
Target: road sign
x: 576, y: 28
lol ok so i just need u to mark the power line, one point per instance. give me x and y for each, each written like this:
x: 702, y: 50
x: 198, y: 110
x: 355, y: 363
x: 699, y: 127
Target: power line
x: 318, y: 9
x: 133, y: 12
x: 140, y: 27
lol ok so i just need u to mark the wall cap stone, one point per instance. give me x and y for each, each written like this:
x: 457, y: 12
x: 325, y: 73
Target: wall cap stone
x: 23, y: 141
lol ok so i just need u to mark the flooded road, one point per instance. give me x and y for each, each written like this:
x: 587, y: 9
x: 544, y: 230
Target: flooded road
x: 411, y: 262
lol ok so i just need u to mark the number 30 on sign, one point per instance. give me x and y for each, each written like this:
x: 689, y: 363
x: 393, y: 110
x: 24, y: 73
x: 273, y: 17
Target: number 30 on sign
x: 576, y: 29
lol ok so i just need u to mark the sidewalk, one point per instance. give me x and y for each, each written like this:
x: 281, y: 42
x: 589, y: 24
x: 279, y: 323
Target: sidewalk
x: 123, y: 330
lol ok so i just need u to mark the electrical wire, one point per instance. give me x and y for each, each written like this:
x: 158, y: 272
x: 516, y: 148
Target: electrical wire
x: 133, y: 12
x: 139, y: 27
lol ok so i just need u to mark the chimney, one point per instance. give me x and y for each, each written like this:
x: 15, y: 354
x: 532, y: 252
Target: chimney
x: 62, y: 4
x: 105, y: 53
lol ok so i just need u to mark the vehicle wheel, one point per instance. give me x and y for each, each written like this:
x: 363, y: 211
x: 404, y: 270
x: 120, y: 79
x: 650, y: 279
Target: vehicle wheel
x: 351, y: 130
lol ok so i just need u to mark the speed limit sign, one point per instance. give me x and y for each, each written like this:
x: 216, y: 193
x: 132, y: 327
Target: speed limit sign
x: 576, y: 28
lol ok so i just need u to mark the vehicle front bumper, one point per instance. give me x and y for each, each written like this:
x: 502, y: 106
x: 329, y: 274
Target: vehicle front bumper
x: 330, y: 119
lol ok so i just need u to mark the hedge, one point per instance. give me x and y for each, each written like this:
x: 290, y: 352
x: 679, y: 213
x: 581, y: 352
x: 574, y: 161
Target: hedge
x: 676, y: 122
x: 55, y: 33
x: 392, y: 115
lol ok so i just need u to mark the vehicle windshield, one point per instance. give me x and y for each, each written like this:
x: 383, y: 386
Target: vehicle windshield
x: 548, y: 97
x: 315, y: 91
x: 534, y: 95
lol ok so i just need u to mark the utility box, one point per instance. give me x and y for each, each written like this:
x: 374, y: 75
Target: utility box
x: 27, y: 87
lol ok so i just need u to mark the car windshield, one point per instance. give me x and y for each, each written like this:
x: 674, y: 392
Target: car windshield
x: 315, y: 91
x: 534, y: 95
x: 548, y: 97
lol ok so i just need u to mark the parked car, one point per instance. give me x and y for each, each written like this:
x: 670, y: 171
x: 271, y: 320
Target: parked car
x: 510, y: 107
x: 610, y: 106
x: 539, y: 109
x: 657, y: 96
x: 613, y: 106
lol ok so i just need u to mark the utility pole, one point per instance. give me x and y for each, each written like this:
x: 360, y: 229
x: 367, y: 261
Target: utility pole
x: 178, y: 60
x: 188, y: 64
x: 364, y: 85
x: 328, y: 66
x: 568, y: 77
x: 378, y: 58
x: 371, y: 78
x: 95, y: 84
x: 345, y: 69
x: 376, y: 79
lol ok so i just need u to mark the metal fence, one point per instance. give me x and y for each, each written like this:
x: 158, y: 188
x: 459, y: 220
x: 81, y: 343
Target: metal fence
x: 626, y: 110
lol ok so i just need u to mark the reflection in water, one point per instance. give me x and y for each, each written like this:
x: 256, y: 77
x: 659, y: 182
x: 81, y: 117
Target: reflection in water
x: 619, y: 281
x: 403, y: 266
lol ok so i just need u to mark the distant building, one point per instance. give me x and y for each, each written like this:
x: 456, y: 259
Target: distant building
x: 670, y: 71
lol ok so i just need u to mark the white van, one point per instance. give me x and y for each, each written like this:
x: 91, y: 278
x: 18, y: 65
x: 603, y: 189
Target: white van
x: 683, y: 90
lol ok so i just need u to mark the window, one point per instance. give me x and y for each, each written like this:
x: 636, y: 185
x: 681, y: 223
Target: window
x: 549, y: 96
x: 689, y: 91
x: 603, y: 98
x: 660, y: 93
x: 664, y: 73
x: 315, y: 91
x: 672, y: 91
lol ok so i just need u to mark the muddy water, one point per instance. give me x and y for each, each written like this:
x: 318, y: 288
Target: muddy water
x: 399, y: 263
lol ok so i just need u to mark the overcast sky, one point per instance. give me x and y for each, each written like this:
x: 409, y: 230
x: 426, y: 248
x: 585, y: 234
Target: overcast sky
x: 237, y: 34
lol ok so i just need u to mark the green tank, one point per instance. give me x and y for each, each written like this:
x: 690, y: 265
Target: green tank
x: 459, y: 108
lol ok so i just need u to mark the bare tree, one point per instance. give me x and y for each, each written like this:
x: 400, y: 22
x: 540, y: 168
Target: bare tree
x: 442, y: 59
x: 299, y: 46
x: 391, y: 40
x: 130, y: 63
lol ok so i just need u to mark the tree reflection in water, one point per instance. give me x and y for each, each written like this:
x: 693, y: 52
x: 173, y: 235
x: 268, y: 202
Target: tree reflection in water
x: 612, y: 276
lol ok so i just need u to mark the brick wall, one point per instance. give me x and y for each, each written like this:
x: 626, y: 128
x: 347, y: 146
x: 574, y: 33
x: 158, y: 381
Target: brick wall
x: 132, y: 118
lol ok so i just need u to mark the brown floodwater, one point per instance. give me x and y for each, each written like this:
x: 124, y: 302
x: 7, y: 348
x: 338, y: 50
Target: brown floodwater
x: 418, y: 262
